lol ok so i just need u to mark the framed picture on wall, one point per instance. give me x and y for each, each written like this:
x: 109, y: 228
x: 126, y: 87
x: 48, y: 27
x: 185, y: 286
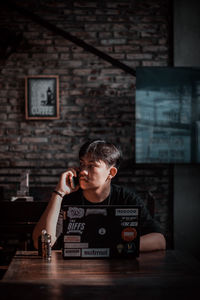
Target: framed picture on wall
x: 42, y: 97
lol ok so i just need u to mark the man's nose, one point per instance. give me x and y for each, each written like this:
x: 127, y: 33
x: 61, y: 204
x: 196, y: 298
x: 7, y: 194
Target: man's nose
x: 83, y: 170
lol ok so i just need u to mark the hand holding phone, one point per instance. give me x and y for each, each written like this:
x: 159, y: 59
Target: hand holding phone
x: 69, y: 182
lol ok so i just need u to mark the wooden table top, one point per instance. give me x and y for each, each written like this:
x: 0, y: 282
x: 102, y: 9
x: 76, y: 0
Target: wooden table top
x: 158, y: 274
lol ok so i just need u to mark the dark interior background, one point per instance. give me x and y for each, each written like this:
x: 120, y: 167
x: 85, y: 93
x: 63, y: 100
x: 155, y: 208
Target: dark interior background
x: 97, y: 95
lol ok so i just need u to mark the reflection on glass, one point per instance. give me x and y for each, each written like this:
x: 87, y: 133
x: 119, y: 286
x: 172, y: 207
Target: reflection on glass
x: 167, y: 115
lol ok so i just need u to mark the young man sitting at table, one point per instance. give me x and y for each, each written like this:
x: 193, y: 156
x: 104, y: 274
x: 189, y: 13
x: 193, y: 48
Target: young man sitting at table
x: 99, y: 162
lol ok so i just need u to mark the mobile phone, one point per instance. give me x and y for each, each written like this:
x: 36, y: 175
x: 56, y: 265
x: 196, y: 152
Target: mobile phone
x: 75, y: 180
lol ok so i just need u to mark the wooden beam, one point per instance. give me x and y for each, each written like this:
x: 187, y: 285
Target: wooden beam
x: 13, y: 6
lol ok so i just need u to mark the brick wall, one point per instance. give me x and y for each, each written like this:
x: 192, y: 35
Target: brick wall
x: 96, y: 98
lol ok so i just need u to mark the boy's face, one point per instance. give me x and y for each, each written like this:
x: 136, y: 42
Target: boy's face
x: 93, y: 174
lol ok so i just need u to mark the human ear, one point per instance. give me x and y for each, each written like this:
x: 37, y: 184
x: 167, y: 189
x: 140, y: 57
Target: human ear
x: 113, y: 172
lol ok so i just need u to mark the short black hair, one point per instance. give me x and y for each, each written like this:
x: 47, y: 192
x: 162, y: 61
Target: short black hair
x: 101, y: 150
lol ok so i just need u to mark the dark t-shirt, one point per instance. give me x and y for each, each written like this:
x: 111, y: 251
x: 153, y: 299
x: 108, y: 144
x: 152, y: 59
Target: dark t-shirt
x: 118, y: 196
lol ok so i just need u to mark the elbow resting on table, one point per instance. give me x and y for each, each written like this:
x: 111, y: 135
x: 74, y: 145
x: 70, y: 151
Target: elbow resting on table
x: 152, y: 242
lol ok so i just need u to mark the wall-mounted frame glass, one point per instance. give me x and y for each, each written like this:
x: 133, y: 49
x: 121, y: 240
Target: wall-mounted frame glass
x: 42, y: 97
x: 167, y: 115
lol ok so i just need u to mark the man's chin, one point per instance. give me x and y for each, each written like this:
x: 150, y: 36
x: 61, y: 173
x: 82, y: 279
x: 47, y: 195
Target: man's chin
x: 83, y: 184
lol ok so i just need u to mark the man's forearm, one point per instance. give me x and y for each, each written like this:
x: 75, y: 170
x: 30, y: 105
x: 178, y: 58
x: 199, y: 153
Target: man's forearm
x: 48, y: 219
x: 152, y: 241
x: 50, y: 216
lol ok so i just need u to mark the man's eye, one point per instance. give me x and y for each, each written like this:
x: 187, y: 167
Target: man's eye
x: 90, y: 166
x: 85, y: 166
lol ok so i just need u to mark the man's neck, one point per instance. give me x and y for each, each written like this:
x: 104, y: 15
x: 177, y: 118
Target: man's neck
x: 97, y: 195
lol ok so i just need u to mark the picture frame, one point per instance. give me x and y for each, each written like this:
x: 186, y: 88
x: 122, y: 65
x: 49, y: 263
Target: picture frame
x: 41, y: 97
